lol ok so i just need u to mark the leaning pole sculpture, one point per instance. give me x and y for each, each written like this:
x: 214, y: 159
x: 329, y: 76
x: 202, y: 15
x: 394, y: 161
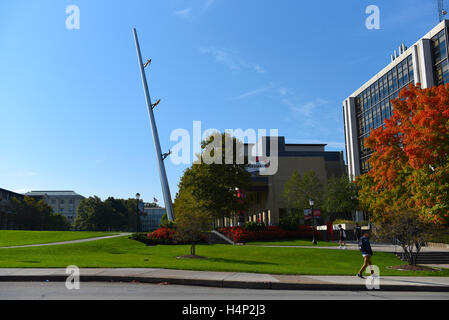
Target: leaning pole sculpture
x: 161, y: 157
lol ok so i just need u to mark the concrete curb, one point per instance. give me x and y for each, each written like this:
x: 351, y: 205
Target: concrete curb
x: 227, y: 284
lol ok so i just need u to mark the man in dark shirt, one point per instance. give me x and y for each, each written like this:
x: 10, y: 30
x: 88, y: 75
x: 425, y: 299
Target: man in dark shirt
x: 342, y: 236
x: 358, y: 232
x: 367, y: 253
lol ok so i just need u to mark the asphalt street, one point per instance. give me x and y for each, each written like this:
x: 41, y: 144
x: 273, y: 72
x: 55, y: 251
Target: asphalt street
x: 136, y: 291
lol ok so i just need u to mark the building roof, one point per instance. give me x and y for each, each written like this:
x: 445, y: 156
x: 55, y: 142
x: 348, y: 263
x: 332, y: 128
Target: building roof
x: 11, y: 192
x: 399, y: 59
x: 53, y: 194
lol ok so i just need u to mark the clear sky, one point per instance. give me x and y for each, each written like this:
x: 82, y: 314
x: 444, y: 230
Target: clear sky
x: 72, y: 109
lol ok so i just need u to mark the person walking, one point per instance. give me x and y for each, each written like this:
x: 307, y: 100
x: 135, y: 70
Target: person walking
x: 342, y: 236
x: 358, y: 233
x: 367, y: 253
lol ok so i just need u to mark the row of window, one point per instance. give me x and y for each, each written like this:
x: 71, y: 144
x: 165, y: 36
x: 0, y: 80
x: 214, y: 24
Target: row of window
x: 440, y: 59
x: 53, y: 201
x: 395, y: 79
x: 365, y: 165
x: 375, y: 117
x: 62, y: 210
x: 439, y: 47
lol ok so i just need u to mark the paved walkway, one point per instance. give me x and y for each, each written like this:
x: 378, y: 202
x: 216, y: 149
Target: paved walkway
x: 353, y: 246
x: 229, y: 279
x: 68, y: 242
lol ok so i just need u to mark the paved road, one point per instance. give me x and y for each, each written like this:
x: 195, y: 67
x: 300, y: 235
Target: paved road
x: 69, y: 242
x: 129, y: 291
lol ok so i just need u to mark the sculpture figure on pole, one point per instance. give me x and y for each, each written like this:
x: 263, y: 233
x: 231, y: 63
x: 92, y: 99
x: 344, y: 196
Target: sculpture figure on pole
x: 161, y: 156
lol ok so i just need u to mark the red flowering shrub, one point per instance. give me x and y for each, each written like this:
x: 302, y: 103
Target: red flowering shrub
x: 162, y: 235
x: 242, y: 235
x: 166, y: 235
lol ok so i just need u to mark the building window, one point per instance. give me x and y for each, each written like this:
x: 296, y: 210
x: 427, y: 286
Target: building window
x: 373, y: 104
x: 439, y: 50
x: 442, y: 73
x: 439, y: 47
x: 411, y: 74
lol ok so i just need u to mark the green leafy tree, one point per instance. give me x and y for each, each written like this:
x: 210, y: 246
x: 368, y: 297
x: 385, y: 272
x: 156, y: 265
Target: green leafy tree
x: 109, y: 215
x: 297, y: 193
x: 30, y: 214
x: 341, y: 195
x: 165, y: 223
x: 192, y: 220
x: 215, y: 185
x: 91, y: 215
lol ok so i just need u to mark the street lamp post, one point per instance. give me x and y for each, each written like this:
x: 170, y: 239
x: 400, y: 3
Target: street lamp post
x: 312, y: 203
x: 137, y: 212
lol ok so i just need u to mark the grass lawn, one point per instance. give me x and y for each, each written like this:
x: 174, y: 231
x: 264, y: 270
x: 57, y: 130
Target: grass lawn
x: 293, y: 242
x: 125, y: 253
x: 21, y: 238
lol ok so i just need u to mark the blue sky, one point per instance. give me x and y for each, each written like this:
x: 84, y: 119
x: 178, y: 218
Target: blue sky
x: 72, y: 109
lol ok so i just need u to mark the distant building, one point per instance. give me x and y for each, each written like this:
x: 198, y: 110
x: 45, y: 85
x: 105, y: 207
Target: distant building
x: 63, y: 202
x: 151, y: 219
x: 6, y: 221
x: 265, y: 194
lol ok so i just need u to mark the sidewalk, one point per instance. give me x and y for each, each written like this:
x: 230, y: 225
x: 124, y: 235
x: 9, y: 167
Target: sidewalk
x: 389, y: 248
x: 229, y: 279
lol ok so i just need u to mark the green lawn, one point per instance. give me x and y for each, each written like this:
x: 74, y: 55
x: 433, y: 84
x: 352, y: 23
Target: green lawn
x: 293, y: 242
x: 125, y: 253
x: 21, y: 238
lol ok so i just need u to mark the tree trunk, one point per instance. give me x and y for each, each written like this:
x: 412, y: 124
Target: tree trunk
x: 192, y: 249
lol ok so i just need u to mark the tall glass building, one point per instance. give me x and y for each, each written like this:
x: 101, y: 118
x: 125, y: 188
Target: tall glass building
x: 426, y: 62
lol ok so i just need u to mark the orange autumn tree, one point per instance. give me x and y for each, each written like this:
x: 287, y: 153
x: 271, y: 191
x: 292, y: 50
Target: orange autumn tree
x: 410, y: 163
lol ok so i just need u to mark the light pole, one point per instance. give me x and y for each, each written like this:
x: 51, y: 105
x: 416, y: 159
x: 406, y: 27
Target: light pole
x: 137, y: 212
x: 312, y: 203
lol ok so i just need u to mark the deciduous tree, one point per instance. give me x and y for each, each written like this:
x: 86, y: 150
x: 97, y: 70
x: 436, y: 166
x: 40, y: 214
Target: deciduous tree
x: 215, y: 185
x: 410, y: 163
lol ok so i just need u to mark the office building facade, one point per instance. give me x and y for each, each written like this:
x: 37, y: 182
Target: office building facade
x: 63, y: 202
x: 265, y: 194
x: 424, y: 63
x: 151, y: 219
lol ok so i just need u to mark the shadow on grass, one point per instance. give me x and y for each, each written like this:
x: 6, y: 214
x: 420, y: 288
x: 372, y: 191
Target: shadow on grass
x: 285, y: 240
x: 235, y: 261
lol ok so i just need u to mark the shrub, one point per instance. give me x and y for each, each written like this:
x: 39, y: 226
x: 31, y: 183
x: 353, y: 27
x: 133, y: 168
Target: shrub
x: 242, y: 235
x: 254, y: 226
x: 143, y: 237
x: 342, y: 221
x: 163, y: 236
